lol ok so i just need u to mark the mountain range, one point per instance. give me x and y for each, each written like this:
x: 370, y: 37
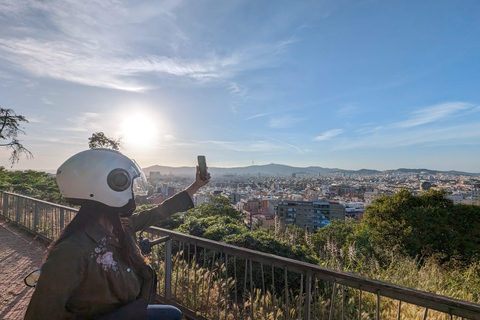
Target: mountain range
x: 284, y: 170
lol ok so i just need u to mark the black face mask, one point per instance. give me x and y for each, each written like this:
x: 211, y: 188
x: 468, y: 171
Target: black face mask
x: 128, y: 209
x: 125, y: 211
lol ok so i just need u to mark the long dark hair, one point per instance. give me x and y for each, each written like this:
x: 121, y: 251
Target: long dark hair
x: 90, y: 213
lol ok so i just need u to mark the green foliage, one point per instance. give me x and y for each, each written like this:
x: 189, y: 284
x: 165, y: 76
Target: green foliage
x: 192, y: 226
x: 211, y: 227
x: 217, y: 206
x: 218, y: 232
x: 173, y: 222
x: 425, y: 225
x: 337, y: 232
x: 100, y: 140
x: 262, y: 241
x: 31, y: 183
x: 361, y: 242
x: 217, y: 220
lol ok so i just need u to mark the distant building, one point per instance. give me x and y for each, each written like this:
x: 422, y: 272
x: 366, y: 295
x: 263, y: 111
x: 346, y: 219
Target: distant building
x: 157, y: 198
x: 199, y: 199
x: 369, y: 196
x: 265, y: 221
x: 458, y: 198
x: 253, y: 205
x: 235, y: 198
x: 476, y: 194
x: 268, y: 207
x: 311, y: 214
x: 155, y: 175
x: 313, y: 195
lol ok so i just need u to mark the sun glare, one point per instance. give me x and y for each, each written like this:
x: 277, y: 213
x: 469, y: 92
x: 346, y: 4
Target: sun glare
x: 140, y: 130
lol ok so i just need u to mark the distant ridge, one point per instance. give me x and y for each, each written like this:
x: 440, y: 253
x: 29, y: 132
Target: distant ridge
x: 284, y: 170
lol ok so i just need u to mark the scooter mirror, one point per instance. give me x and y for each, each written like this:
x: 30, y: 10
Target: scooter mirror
x: 32, y: 278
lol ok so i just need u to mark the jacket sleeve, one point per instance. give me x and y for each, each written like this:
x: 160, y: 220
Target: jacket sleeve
x: 178, y: 203
x: 63, y: 271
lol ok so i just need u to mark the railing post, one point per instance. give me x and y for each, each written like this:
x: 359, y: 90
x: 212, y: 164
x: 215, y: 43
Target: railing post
x: 5, y: 205
x: 17, y: 215
x: 62, y: 218
x: 309, y: 294
x: 35, y: 218
x: 168, y: 270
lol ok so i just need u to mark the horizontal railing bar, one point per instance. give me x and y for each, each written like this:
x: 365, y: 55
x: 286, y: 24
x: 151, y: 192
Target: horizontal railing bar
x: 408, y: 295
x: 41, y: 201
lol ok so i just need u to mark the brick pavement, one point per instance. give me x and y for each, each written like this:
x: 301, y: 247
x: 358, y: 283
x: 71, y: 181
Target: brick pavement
x: 20, y: 253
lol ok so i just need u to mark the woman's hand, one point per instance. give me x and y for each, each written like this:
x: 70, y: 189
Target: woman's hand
x: 198, y: 183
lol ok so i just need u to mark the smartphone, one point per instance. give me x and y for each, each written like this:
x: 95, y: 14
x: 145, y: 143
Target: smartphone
x: 202, y: 164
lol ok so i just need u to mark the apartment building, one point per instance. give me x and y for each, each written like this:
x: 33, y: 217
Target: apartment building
x: 311, y: 214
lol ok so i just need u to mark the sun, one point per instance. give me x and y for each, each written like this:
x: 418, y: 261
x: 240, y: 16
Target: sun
x: 140, y: 130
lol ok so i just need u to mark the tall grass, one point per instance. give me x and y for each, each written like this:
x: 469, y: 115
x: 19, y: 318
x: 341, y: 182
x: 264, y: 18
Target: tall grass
x: 207, y: 285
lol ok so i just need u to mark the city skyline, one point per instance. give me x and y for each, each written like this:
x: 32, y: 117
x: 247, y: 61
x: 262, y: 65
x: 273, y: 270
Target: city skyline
x: 336, y: 84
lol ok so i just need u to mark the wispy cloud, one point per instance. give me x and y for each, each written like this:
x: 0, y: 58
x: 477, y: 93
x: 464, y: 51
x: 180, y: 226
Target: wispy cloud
x: 300, y: 151
x: 258, y: 116
x: 90, y: 43
x: 236, y: 89
x: 60, y: 60
x: 369, y: 130
x: 327, y: 135
x: 284, y: 44
x: 35, y: 118
x: 424, y: 116
x: 283, y: 122
x: 347, y: 111
x: 46, y: 101
x: 256, y: 146
x: 432, y: 114
x: 85, y: 122
x: 445, y: 135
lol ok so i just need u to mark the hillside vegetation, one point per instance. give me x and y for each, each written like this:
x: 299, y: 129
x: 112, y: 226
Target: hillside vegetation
x: 35, y: 184
x: 424, y: 242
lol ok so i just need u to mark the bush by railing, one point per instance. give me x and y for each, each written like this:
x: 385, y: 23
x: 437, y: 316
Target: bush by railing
x: 212, y: 280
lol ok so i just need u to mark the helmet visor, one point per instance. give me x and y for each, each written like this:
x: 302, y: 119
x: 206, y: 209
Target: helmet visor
x: 140, y: 184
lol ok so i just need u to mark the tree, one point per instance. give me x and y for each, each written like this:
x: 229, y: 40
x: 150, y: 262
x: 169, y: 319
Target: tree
x: 218, y: 206
x: 31, y: 183
x: 100, y: 140
x: 10, y: 128
x: 425, y: 225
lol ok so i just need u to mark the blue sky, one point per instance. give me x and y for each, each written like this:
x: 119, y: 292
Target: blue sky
x: 348, y: 84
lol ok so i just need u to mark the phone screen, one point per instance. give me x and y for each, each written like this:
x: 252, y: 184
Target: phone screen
x: 202, y: 164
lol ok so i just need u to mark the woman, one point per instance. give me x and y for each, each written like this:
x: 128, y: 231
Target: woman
x: 94, y: 270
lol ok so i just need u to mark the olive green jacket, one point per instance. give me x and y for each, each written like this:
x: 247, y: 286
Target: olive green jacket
x: 85, y: 277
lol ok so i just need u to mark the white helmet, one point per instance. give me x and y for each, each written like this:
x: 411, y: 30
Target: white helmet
x: 101, y: 175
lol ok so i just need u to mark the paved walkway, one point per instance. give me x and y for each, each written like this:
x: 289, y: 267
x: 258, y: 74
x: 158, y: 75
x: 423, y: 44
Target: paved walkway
x: 20, y: 254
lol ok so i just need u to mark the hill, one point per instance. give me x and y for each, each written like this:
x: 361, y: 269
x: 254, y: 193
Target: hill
x: 284, y: 170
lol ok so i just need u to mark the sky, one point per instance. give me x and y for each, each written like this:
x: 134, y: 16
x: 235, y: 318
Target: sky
x: 337, y: 84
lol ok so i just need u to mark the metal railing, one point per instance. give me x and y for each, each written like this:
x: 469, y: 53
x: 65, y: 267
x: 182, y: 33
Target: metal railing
x: 212, y: 280
x: 43, y: 218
